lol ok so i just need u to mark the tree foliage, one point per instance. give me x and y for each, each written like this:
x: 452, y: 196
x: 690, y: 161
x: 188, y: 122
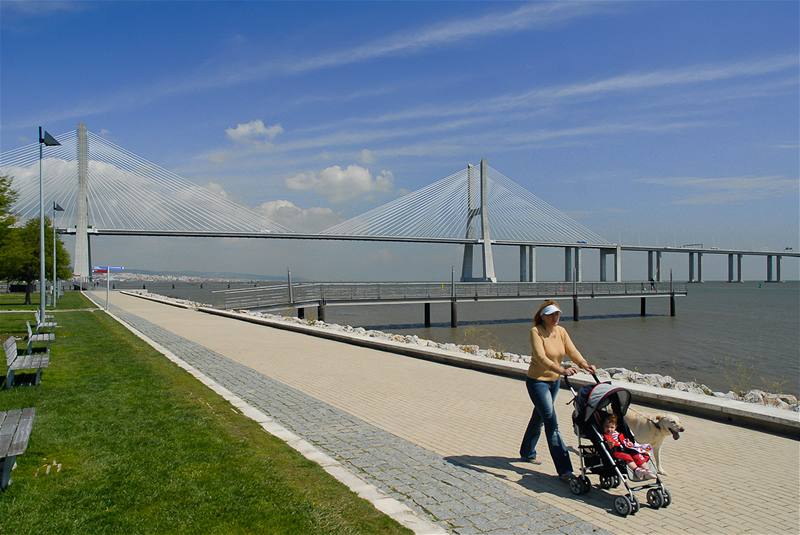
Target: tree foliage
x: 19, y: 246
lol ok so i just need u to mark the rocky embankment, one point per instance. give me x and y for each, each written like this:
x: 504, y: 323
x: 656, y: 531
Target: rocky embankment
x: 781, y: 401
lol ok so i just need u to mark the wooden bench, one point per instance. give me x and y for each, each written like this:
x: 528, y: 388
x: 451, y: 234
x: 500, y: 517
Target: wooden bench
x: 16, y: 362
x: 47, y: 324
x: 15, y: 430
x: 38, y: 337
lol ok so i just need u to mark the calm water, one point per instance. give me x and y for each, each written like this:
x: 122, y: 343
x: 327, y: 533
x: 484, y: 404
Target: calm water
x: 728, y: 336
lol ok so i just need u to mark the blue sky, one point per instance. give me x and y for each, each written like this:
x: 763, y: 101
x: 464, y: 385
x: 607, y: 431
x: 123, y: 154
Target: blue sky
x: 649, y: 122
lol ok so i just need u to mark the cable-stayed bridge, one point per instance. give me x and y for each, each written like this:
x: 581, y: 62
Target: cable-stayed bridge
x: 107, y: 190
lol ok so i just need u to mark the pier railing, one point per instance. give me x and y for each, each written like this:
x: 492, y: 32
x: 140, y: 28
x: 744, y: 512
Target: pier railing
x: 332, y: 293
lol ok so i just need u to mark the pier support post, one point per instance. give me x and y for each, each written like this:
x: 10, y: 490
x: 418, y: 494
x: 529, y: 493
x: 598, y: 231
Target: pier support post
x: 739, y: 268
x: 691, y: 267
x: 730, y: 267
x: 650, y: 270
x: 778, y: 269
x: 523, y: 263
x: 321, y: 311
x: 567, y: 264
x: 603, y: 274
x: 699, y: 267
x: 453, y: 313
x: 769, y: 268
x: 531, y: 263
x: 643, y: 307
x: 301, y: 312
x: 618, y: 264
x: 658, y: 266
x: 427, y: 314
x: 671, y: 295
x: 576, y: 314
x: 578, y: 270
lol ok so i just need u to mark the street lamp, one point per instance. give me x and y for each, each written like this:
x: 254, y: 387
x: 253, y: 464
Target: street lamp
x: 56, y: 208
x: 45, y: 139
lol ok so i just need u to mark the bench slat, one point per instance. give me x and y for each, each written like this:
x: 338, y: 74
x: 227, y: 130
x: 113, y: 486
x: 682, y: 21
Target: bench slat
x: 8, y: 429
x: 20, y: 441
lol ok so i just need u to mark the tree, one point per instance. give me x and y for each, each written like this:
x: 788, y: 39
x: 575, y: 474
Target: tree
x: 7, y: 220
x: 21, y: 255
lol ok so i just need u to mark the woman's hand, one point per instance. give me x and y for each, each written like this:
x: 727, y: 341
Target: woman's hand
x: 569, y: 371
x: 590, y: 368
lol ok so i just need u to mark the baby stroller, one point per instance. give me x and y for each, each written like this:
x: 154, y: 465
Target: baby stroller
x: 592, y: 402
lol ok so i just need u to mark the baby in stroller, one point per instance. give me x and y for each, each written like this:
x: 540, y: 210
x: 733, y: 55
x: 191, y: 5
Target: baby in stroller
x: 634, y: 454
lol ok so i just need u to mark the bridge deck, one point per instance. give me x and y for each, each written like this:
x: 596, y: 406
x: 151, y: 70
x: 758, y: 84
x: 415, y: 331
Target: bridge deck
x: 724, y: 479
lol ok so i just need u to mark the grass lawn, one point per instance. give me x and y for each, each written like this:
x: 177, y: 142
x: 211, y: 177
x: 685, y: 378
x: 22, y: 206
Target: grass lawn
x: 145, y: 448
x: 15, y: 301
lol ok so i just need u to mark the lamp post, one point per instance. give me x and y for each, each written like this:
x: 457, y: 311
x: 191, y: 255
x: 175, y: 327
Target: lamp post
x: 56, y: 208
x: 45, y: 139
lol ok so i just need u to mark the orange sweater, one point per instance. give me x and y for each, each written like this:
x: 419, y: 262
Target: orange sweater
x: 547, y: 352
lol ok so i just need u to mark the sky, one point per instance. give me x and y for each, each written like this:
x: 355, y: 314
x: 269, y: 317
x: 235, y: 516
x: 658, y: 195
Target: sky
x: 659, y: 123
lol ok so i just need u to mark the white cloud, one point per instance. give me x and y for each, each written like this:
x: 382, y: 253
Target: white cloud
x: 253, y: 132
x: 104, y: 132
x: 727, y: 190
x: 299, y: 219
x: 340, y: 184
x: 218, y: 189
x: 366, y: 156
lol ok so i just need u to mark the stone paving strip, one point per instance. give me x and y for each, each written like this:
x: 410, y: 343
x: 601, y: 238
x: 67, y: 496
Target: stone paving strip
x: 455, y: 497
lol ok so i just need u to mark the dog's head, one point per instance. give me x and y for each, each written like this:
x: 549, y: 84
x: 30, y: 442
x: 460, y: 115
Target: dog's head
x: 671, y: 423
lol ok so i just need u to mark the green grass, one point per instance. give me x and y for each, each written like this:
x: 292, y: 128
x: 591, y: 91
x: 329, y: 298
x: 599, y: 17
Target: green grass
x: 145, y: 448
x: 16, y: 301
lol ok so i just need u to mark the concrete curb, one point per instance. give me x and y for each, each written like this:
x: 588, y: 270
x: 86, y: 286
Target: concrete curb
x: 734, y: 412
x: 391, y: 507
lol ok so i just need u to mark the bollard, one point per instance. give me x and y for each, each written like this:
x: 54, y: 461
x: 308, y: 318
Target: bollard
x: 643, y: 307
x: 453, y: 313
x: 427, y: 314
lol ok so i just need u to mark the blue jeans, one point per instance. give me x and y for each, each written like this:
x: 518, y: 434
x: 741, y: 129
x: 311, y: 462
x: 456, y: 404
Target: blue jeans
x: 543, y: 394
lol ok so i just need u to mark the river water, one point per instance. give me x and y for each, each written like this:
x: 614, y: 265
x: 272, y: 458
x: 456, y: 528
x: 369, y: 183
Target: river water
x: 727, y: 336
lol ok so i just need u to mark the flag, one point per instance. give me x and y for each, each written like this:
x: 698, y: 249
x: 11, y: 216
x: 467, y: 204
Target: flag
x: 47, y: 139
x: 57, y: 207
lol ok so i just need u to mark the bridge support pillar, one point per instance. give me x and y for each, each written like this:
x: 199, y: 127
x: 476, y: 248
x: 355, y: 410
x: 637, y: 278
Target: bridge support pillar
x: 769, y: 268
x: 603, y: 274
x: 488, y: 257
x: 730, y: 267
x: 739, y: 268
x: 531, y: 263
x: 691, y: 267
x: 568, y: 264
x: 643, y: 307
x: 658, y: 266
x: 618, y: 264
x: 578, y: 269
x: 650, y: 267
x: 523, y: 263
x: 699, y: 267
x: 427, y: 314
x: 778, y: 269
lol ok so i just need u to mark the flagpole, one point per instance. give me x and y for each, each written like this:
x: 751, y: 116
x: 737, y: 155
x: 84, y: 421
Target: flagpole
x: 41, y: 233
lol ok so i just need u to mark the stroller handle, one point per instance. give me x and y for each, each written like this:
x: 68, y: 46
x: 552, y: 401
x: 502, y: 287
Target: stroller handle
x: 569, y: 385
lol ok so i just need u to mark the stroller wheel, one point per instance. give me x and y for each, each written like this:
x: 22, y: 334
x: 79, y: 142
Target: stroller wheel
x: 615, y: 481
x: 635, y: 505
x: 575, y: 486
x: 586, y: 483
x: 606, y: 482
x: 655, y: 498
x: 667, y: 497
x: 622, y: 505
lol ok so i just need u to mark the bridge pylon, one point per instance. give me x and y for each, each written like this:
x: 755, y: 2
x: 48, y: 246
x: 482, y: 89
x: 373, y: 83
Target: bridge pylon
x: 81, y: 258
x: 473, y: 212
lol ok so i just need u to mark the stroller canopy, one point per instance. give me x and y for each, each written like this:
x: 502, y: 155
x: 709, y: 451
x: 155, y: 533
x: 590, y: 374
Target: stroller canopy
x: 596, y: 397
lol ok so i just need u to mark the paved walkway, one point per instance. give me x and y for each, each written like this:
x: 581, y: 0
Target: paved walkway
x: 443, y: 440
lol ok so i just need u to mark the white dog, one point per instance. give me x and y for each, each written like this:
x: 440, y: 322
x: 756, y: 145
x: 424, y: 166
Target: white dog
x: 653, y: 430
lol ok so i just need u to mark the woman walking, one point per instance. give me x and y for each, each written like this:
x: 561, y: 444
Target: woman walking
x: 550, y: 343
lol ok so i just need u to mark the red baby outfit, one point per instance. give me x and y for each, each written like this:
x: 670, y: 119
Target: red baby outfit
x: 626, y: 450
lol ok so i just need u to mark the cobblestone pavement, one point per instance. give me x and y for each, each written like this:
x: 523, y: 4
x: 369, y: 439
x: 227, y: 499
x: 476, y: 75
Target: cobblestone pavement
x: 724, y: 479
x: 458, y: 498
